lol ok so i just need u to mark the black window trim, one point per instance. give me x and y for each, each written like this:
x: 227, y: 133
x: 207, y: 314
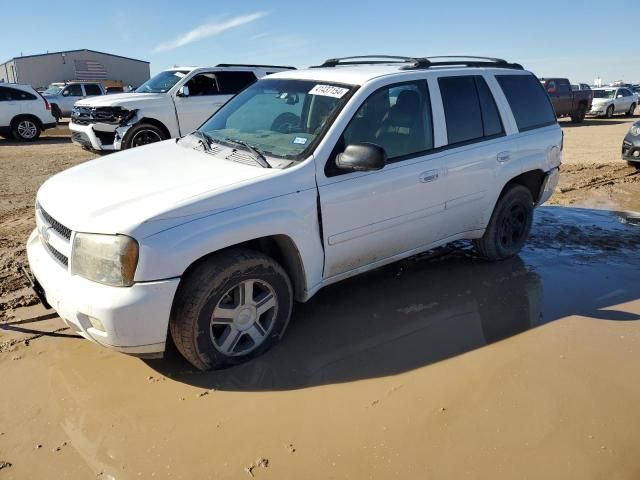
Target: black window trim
x: 535, y: 127
x: 483, y: 138
x: 399, y: 158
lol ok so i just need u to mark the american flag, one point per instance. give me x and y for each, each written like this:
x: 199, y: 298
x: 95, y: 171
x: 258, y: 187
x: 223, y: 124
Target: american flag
x: 89, y: 70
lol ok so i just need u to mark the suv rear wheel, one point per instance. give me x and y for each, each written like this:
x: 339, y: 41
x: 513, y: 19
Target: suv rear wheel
x: 142, y: 134
x: 25, y: 129
x: 232, y: 307
x: 509, y: 225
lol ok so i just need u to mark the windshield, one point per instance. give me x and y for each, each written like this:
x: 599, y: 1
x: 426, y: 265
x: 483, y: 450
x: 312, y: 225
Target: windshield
x: 603, y: 93
x: 162, y: 82
x: 282, y: 118
x: 53, y: 90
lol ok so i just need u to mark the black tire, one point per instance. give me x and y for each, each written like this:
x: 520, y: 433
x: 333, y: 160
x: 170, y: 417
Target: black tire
x: 55, y: 111
x: 634, y: 164
x: 26, y: 129
x: 609, y: 112
x: 578, y: 116
x: 509, y: 225
x: 216, y: 284
x: 142, y: 134
x: 631, y: 111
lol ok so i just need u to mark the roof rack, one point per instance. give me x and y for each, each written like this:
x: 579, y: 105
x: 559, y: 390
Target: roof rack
x: 415, y: 63
x: 374, y: 60
x: 255, y: 66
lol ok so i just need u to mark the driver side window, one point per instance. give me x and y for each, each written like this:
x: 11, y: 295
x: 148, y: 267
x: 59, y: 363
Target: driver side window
x: 74, y: 90
x: 203, y: 84
x: 396, y: 118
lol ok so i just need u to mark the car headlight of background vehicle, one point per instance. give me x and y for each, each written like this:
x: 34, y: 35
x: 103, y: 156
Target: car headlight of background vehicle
x: 107, y: 259
x: 635, y: 130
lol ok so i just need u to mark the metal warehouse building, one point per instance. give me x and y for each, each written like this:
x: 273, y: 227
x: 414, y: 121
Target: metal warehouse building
x: 41, y: 70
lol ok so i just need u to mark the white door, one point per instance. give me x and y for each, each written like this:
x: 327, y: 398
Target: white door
x: 208, y: 91
x: 477, y: 146
x: 368, y: 217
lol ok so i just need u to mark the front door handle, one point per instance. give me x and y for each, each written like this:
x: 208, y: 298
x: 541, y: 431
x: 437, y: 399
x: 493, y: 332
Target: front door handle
x: 430, y: 176
x: 503, y: 157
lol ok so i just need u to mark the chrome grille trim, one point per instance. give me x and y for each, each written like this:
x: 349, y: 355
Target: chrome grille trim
x: 57, y: 226
x: 63, y: 233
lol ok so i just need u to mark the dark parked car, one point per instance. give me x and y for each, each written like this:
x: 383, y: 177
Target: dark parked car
x: 631, y: 146
x: 566, y: 101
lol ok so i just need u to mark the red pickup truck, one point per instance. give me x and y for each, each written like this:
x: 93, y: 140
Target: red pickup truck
x: 566, y: 102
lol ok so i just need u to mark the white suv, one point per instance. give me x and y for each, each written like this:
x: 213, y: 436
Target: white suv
x: 303, y: 179
x: 171, y: 104
x: 24, y: 113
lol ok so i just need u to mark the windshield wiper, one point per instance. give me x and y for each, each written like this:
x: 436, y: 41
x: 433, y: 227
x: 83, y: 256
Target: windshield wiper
x: 257, y: 153
x: 204, y: 138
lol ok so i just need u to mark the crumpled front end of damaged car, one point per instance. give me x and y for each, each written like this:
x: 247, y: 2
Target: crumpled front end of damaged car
x: 101, y: 128
x: 109, y: 115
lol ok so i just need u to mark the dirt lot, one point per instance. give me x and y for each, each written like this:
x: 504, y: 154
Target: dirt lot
x: 440, y: 366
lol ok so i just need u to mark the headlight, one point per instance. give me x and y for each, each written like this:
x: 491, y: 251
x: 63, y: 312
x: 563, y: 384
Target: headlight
x: 635, y: 130
x: 108, y: 259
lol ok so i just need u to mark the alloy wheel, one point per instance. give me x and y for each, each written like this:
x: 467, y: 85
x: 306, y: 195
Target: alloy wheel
x: 243, y: 318
x: 27, y: 129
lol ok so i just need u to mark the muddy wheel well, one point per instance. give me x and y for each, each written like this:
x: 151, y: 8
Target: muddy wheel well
x: 531, y: 180
x: 156, y: 123
x: 279, y: 247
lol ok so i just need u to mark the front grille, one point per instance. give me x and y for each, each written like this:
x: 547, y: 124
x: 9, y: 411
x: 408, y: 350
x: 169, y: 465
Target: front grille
x: 87, y: 115
x: 57, y: 226
x: 56, y: 254
x: 60, y: 229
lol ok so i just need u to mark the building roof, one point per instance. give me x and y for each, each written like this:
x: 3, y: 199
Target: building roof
x: 71, y: 51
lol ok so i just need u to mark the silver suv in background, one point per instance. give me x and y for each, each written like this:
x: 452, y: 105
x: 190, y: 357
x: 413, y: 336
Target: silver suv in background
x: 62, y: 97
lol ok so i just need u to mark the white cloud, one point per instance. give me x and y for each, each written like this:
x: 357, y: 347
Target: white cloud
x: 210, y: 29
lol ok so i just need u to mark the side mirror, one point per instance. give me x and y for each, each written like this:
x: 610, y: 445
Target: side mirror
x: 619, y: 96
x: 65, y: 93
x: 551, y: 90
x: 362, y: 157
x: 183, y: 91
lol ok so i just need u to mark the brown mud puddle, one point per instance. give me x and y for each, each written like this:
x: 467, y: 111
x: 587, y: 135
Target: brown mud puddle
x: 440, y: 366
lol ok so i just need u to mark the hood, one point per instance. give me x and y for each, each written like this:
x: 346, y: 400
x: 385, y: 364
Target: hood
x: 121, y: 99
x: 151, y: 185
x: 600, y: 101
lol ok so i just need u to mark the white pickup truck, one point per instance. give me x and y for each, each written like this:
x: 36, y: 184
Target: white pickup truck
x: 305, y: 178
x: 171, y: 104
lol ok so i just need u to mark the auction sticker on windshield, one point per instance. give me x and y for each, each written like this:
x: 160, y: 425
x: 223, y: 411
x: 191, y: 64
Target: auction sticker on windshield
x: 328, y: 91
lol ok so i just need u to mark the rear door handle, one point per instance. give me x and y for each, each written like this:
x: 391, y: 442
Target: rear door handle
x: 503, y: 157
x: 430, y: 176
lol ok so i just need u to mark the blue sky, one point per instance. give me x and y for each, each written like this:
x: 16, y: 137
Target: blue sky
x: 554, y: 38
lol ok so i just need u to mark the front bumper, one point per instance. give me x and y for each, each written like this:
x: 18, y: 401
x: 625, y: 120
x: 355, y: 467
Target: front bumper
x: 135, y: 319
x: 631, y: 149
x: 598, y: 110
x: 549, y: 185
x: 99, y: 136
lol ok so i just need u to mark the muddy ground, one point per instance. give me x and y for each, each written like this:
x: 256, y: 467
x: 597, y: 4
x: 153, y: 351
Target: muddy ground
x: 440, y: 366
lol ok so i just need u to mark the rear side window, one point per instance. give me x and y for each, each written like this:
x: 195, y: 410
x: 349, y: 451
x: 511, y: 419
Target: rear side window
x: 470, y: 110
x: 529, y: 102
x: 231, y: 83
x: 92, y: 89
x: 12, y: 94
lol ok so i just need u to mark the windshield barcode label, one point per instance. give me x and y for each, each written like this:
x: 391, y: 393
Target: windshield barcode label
x: 328, y: 91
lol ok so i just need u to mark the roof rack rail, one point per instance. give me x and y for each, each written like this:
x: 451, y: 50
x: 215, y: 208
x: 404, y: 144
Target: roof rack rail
x: 415, y: 63
x: 256, y: 66
x: 373, y: 60
x: 471, y: 61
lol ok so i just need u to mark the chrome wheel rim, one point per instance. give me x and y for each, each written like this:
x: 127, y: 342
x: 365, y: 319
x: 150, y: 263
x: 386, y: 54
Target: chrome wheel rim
x: 145, y: 137
x: 243, y: 318
x: 27, y: 129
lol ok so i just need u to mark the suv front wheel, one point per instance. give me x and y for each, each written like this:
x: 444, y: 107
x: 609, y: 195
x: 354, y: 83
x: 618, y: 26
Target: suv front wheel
x: 142, y: 134
x: 509, y: 225
x: 231, y: 307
